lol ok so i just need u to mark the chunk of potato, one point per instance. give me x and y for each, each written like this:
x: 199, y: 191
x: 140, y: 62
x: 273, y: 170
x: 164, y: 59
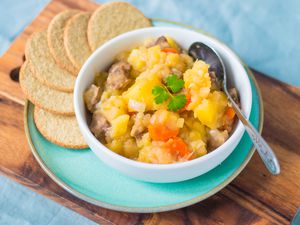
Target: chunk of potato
x: 155, y: 56
x: 174, y: 60
x: 135, y: 106
x: 195, y: 130
x: 125, y: 146
x: 180, y: 62
x: 119, y: 126
x: 138, y: 58
x: 130, y: 149
x: 145, y: 140
x: 197, y: 76
x: 172, y: 42
x: 169, y: 119
x: 141, y: 90
x: 195, y: 135
x: 155, y: 153
x: 199, y: 148
x: 116, y: 145
x: 211, y: 111
x: 198, y: 82
x: 113, y: 107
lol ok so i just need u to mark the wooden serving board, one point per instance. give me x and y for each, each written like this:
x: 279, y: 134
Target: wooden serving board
x: 254, y: 197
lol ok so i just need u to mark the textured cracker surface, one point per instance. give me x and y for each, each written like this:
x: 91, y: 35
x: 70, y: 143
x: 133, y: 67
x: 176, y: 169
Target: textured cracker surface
x: 44, y: 66
x: 56, y: 55
x: 43, y: 96
x: 113, y: 19
x: 75, y: 39
x: 61, y: 130
x: 55, y: 36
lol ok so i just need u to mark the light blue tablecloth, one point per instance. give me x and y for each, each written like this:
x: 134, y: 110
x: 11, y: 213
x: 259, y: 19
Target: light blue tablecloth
x: 264, y: 33
x: 20, y: 206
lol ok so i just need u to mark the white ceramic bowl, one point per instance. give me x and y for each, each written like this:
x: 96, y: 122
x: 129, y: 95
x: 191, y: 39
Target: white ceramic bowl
x: 104, y: 56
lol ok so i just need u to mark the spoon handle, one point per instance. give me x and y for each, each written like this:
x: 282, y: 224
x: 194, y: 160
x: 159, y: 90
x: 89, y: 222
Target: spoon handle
x: 266, y: 153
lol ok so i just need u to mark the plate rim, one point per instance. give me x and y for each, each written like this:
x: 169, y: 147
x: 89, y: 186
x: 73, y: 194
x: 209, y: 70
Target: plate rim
x: 192, y: 201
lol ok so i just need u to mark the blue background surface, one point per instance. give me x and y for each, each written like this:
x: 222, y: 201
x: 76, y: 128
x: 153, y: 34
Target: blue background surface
x: 264, y: 33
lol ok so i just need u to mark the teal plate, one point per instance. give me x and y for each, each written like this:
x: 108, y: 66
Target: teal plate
x: 82, y: 174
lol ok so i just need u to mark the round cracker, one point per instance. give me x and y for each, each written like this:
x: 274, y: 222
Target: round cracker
x: 113, y: 19
x: 61, y: 130
x: 55, y: 36
x: 43, y: 96
x: 43, y: 65
x: 75, y: 39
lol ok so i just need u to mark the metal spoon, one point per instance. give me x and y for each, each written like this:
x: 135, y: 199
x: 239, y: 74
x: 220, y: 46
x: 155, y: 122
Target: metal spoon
x: 203, y: 52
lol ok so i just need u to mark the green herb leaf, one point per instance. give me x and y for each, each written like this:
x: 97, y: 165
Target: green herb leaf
x: 160, y: 94
x: 177, y: 102
x: 174, y: 83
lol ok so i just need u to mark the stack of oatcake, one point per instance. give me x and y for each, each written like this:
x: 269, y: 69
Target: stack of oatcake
x: 54, y: 58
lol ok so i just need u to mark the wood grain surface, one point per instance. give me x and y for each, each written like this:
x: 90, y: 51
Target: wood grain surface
x: 254, y: 197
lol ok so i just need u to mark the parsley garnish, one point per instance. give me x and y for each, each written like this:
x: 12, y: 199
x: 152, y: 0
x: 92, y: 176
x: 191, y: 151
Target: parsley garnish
x: 177, y: 102
x: 162, y: 93
x: 174, y: 83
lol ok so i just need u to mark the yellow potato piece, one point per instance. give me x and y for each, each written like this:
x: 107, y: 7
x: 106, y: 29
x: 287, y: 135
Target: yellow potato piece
x: 137, y: 59
x: 113, y: 107
x: 172, y: 43
x: 212, y: 109
x: 197, y: 81
x: 116, y: 145
x: 130, y: 149
x: 119, y: 126
x: 155, y: 153
x: 141, y: 90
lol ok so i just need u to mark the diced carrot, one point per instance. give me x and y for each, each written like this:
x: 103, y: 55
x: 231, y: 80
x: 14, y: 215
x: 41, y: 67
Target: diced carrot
x: 230, y: 113
x: 131, y: 113
x: 178, y: 147
x: 170, y: 50
x: 192, y: 156
x: 159, y: 132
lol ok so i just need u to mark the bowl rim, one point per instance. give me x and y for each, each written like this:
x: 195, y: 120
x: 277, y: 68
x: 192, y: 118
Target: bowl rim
x: 237, y: 134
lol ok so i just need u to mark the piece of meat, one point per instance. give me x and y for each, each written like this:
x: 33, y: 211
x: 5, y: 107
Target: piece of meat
x: 92, y: 97
x: 234, y: 95
x: 118, y: 76
x: 99, y: 125
x: 228, y: 124
x: 217, y: 138
x: 162, y: 42
x: 215, y: 83
x: 140, y: 125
